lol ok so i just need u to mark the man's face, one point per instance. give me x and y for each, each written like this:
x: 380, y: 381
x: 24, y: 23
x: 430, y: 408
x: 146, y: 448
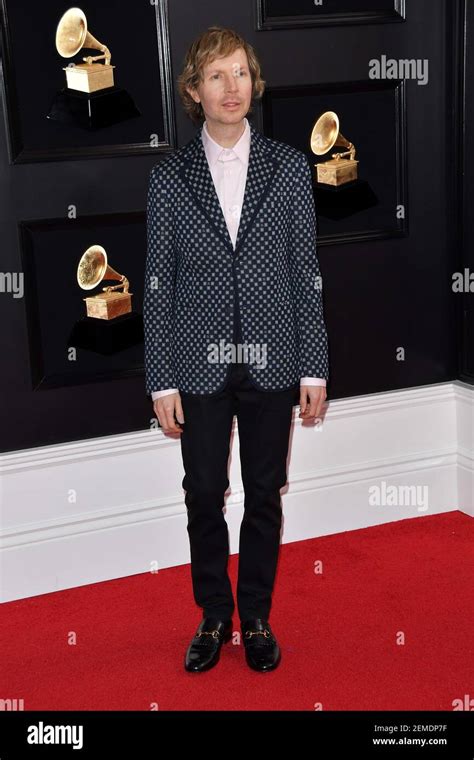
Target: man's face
x: 226, y: 90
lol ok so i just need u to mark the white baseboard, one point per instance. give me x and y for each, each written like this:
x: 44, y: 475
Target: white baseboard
x: 104, y: 508
x: 465, y: 435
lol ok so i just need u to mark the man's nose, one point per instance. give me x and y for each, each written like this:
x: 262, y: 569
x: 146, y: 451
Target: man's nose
x: 231, y: 82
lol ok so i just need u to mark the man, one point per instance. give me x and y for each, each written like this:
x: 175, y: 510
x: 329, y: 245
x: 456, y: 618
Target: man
x: 233, y: 326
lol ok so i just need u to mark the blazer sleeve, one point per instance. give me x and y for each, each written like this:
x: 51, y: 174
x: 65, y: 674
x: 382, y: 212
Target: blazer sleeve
x: 306, y: 278
x: 158, y: 293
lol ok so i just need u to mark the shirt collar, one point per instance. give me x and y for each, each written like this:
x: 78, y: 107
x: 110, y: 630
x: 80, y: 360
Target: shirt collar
x: 241, y: 147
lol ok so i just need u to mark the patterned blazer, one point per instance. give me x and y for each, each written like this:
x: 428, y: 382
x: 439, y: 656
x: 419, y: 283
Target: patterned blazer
x: 197, y: 287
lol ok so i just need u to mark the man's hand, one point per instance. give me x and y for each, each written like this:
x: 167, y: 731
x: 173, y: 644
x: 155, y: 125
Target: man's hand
x: 165, y: 408
x: 312, y: 398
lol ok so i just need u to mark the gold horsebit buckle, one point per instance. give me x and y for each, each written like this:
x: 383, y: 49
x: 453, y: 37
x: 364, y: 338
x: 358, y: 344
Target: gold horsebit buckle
x: 215, y: 634
x: 265, y: 632
x: 248, y: 634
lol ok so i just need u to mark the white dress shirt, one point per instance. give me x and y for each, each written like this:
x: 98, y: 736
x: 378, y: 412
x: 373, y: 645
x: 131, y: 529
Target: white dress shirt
x: 228, y: 167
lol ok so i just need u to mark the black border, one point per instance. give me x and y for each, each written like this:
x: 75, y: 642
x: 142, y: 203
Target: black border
x: 39, y: 380
x: 399, y: 88
x: 266, y: 22
x: 456, y: 25
x: 17, y: 154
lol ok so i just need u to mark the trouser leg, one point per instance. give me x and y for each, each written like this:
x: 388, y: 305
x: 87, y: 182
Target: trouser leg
x: 264, y: 422
x: 205, y: 451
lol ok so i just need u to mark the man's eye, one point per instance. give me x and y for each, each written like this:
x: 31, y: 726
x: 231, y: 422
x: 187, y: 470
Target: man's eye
x: 241, y: 73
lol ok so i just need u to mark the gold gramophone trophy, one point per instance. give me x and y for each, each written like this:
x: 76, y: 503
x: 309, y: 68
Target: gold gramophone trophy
x: 90, y: 100
x: 339, y: 191
x: 326, y: 135
x: 91, y: 271
x: 71, y: 36
x: 110, y: 325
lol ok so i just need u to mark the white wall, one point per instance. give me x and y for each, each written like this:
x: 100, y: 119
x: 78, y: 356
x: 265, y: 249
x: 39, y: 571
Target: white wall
x: 105, y: 508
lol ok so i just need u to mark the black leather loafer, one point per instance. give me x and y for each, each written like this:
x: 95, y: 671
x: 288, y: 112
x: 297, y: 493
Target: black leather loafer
x: 204, y: 650
x: 261, y: 647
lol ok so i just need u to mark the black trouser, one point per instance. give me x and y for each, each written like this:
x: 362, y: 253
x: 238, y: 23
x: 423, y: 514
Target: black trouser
x: 264, y: 420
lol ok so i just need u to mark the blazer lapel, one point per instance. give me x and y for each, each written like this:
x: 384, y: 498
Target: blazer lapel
x: 197, y: 175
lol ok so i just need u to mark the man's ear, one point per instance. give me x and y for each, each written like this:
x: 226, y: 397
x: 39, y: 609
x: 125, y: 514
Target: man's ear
x: 193, y: 94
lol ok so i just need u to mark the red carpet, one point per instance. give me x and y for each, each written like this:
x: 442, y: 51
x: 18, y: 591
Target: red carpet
x: 339, y: 632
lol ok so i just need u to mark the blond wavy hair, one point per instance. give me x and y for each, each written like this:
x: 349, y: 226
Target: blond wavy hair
x: 215, y: 42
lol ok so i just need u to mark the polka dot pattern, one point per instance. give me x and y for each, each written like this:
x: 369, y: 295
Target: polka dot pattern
x: 197, y: 283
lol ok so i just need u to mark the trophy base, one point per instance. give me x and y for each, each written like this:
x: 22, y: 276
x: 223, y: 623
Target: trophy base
x: 107, y: 337
x: 344, y: 200
x: 109, y: 305
x: 92, y: 110
x: 89, y: 77
x: 337, y: 172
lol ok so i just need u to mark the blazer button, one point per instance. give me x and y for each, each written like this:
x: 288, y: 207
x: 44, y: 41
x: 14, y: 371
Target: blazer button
x: 229, y: 309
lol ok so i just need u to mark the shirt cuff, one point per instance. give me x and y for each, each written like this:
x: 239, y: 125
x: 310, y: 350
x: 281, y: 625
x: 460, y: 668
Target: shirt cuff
x: 158, y: 394
x: 313, y: 381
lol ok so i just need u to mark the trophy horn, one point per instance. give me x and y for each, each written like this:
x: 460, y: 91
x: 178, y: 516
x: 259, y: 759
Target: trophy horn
x: 72, y: 35
x: 326, y: 135
x: 93, y: 268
